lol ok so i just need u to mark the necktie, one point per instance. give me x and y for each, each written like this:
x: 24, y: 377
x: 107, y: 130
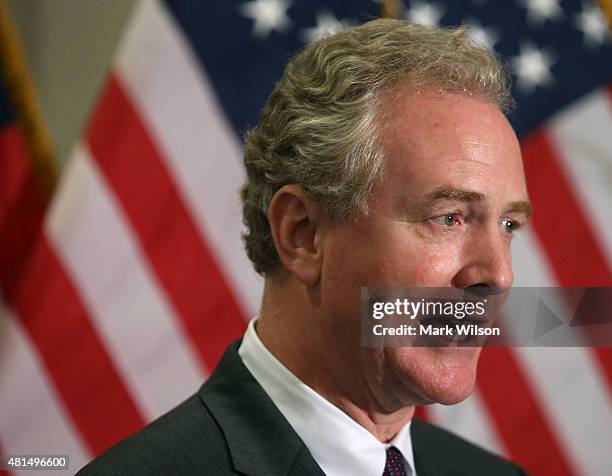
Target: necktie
x: 394, y: 466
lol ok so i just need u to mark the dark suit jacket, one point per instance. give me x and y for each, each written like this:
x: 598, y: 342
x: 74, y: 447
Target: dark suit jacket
x: 232, y: 427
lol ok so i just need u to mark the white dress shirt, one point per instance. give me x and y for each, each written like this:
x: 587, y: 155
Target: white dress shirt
x: 338, y: 444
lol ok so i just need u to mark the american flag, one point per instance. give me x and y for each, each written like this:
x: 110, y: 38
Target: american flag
x: 137, y: 279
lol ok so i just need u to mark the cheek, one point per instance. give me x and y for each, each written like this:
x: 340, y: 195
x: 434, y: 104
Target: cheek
x: 388, y: 257
x: 418, y: 263
x: 431, y: 374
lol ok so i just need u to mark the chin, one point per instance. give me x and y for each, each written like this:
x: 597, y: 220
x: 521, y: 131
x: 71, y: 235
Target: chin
x: 436, y: 374
x: 449, y: 387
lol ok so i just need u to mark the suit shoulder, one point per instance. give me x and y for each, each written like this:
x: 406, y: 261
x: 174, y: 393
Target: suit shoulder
x: 452, y: 451
x: 185, y: 440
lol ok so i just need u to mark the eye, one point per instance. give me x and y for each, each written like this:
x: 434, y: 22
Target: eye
x: 510, y: 226
x: 448, y: 219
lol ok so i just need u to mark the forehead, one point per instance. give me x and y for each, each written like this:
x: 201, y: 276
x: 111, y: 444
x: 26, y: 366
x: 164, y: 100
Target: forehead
x: 433, y: 139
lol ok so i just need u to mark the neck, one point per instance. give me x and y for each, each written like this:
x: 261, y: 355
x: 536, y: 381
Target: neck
x: 297, y: 342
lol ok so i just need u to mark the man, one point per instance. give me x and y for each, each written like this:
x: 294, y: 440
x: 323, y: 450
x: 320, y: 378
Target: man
x: 382, y: 159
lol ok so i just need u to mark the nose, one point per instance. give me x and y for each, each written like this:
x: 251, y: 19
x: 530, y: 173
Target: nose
x: 486, y: 261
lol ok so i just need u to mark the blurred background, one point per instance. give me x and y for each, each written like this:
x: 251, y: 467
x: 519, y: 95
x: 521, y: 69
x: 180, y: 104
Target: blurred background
x: 122, y: 275
x: 68, y: 47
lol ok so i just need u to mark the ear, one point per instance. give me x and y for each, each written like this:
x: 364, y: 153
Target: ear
x: 294, y: 220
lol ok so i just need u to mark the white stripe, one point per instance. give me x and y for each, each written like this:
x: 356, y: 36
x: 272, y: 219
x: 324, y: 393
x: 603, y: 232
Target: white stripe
x: 574, y: 396
x: 583, y: 134
x: 127, y: 305
x: 567, y: 381
x: 528, y: 261
x: 32, y: 421
x: 179, y: 108
x: 531, y: 269
x: 470, y: 420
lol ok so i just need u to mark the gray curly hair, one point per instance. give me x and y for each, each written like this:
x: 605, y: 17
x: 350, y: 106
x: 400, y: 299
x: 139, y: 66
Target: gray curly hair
x: 319, y: 126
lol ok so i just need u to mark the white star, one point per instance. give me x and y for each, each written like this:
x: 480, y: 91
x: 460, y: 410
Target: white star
x: 539, y: 11
x: 268, y: 15
x: 593, y: 24
x: 327, y: 24
x: 532, y: 68
x: 424, y: 13
x: 484, y: 36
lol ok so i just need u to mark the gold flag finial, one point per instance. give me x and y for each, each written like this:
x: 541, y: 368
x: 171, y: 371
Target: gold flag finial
x: 390, y: 9
x: 606, y: 7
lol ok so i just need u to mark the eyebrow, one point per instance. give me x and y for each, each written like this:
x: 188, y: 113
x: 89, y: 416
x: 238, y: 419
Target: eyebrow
x: 442, y: 194
x: 522, y: 206
x: 452, y: 194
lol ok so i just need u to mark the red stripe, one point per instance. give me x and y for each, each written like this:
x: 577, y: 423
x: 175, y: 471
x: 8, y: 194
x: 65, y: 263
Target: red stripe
x: 422, y: 413
x: 21, y: 208
x: 15, y: 168
x: 33, y: 283
x: 76, y: 361
x: 519, y: 422
x: 575, y: 254
x: 176, y: 250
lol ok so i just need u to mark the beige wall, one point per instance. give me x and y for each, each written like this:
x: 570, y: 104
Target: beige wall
x: 68, y: 44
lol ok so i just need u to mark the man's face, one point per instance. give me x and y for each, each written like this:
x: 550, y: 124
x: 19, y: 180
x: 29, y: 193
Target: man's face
x: 442, y: 216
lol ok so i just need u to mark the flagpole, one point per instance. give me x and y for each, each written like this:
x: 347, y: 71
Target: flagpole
x: 390, y: 9
x: 23, y: 95
x: 606, y: 6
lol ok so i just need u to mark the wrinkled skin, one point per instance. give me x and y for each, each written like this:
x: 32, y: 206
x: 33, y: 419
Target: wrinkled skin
x: 442, y: 215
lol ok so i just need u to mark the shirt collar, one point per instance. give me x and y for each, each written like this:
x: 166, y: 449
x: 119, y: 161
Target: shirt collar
x: 337, y: 443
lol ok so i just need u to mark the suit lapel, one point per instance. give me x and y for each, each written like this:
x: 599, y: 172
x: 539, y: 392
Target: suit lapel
x: 429, y: 458
x: 260, y: 440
